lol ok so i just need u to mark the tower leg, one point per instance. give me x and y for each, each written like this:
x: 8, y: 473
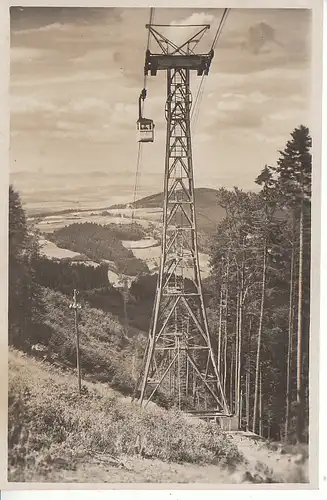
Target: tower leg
x: 179, y: 338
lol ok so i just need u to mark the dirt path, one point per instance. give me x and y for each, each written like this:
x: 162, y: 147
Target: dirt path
x: 267, y: 464
x: 262, y: 465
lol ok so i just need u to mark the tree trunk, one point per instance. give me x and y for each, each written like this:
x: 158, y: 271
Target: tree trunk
x: 299, y: 423
x: 289, y: 349
x: 220, y: 329
x: 236, y: 354
x: 225, y: 356
x: 247, y: 376
x: 226, y: 323
x: 257, y: 368
x: 231, y: 386
x: 241, y: 410
x: 247, y: 400
x: 239, y: 350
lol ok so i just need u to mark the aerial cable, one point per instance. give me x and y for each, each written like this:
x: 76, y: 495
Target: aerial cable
x: 197, y: 110
x: 139, y: 153
x: 136, y: 182
x: 148, y: 47
x: 199, y: 95
x: 195, y: 105
x: 220, y: 28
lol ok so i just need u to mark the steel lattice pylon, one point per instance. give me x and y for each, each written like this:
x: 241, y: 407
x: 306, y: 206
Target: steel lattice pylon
x: 179, y: 359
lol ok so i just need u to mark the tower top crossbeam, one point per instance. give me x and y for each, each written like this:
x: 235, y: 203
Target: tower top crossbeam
x: 182, y: 56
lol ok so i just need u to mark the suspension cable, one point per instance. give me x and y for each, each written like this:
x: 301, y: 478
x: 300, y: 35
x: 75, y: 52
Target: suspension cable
x: 220, y: 28
x: 197, y: 110
x: 147, y: 48
x: 139, y: 152
x: 136, y: 182
x: 199, y: 95
x: 196, y: 106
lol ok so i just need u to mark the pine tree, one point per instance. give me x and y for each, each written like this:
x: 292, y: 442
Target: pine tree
x: 294, y: 184
x: 25, y: 303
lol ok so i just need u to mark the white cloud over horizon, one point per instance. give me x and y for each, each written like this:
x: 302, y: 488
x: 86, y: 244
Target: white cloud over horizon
x: 76, y: 77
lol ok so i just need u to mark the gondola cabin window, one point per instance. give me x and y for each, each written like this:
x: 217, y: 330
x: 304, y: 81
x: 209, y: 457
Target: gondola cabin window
x: 145, y: 128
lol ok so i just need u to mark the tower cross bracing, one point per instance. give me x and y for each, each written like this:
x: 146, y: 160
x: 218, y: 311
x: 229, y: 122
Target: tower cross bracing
x: 180, y: 360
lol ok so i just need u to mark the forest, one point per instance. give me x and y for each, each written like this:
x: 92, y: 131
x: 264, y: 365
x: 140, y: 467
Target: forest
x: 101, y: 243
x: 258, y: 293
x: 261, y: 285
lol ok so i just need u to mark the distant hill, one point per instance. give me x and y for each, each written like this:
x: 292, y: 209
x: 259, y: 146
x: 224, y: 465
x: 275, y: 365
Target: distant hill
x: 208, y: 212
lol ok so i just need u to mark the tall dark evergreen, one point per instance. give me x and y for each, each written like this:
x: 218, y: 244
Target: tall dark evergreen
x: 24, y: 301
x: 293, y: 181
x: 265, y: 238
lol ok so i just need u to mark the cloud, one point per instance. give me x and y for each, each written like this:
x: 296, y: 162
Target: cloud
x: 259, y: 36
x: 92, y: 104
x: 196, y: 18
x: 25, y: 54
x: 230, y: 104
x: 179, y: 35
x: 30, y: 104
x: 48, y: 27
x: 83, y: 76
x: 285, y: 114
x: 202, y: 138
x: 124, y: 114
x: 74, y: 98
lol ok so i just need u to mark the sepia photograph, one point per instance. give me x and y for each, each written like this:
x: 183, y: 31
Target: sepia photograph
x: 160, y: 245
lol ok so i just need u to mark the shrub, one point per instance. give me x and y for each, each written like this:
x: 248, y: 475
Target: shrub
x: 51, y: 426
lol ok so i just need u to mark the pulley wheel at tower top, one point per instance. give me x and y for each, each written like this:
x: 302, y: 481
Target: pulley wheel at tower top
x: 176, y: 113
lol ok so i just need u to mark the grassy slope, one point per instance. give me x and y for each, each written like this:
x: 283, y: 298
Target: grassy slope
x: 54, y: 432
x: 57, y: 435
x: 107, y: 354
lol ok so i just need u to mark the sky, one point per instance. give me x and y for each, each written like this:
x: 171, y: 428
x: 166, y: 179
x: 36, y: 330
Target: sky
x: 76, y: 74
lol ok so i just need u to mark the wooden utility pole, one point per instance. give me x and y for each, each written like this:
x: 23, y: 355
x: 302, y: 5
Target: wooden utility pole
x: 260, y: 405
x: 76, y: 306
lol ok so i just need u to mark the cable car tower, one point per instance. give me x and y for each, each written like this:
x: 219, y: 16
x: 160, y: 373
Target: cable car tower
x: 180, y: 361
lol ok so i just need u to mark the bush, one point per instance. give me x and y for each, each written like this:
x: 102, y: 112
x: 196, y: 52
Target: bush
x: 51, y: 426
x: 107, y: 354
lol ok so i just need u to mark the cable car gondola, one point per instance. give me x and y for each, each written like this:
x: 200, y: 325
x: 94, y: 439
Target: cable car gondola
x: 145, y: 126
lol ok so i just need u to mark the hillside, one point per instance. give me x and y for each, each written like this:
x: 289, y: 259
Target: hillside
x: 58, y: 435
x: 71, y: 429
x: 116, y: 439
x: 208, y: 212
x: 109, y: 353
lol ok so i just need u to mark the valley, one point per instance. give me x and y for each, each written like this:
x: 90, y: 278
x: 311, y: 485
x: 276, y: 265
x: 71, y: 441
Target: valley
x: 146, y: 214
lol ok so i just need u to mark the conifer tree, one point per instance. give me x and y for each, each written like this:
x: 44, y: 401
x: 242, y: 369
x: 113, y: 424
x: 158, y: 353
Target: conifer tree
x: 24, y: 299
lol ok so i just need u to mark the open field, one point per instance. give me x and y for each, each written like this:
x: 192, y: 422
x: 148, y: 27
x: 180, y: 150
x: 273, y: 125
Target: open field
x: 52, y: 251
x: 144, y: 217
x: 148, y: 250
